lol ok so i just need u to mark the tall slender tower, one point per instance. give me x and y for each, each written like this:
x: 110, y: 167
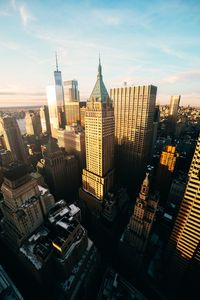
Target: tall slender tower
x: 183, y: 251
x: 12, y: 138
x: 173, y: 113
x: 99, y: 139
x: 55, y: 97
x: 134, y: 113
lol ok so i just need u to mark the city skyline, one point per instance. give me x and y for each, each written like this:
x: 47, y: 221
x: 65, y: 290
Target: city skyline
x: 141, y: 43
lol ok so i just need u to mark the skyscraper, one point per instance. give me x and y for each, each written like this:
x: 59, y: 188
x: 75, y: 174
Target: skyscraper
x: 139, y: 227
x: 134, y: 112
x: 174, y: 105
x: 71, y: 92
x: 12, y: 138
x: 99, y: 138
x: 33, y: 123
x: 55, y: 97
x: 59, y: 170
x: 183, y: 251
x: 173, y: 114
x: 71, y: 97
x: 44, y: 117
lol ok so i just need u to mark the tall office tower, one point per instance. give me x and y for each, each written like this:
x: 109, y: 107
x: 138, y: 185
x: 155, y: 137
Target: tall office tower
x: 55, y: 97
x: 59, y: 170
x: 59, y: 96
x: 44, y: 117
x: 33, y: 123
x: 173, y: 113
x: 71, y: 97
x: 72, y: 139
x: 134, y: 112
x: 99, y: 138
x: 71, y: 92
x: 12, y: 138
x: 183, y: 251
x: 165, y: 171
x: 22, y: 204
x: 140, y: 224
x: 174, y: 105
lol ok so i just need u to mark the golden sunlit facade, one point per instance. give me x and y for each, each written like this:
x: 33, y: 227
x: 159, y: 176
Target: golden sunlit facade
x: 186, y: 231
x: 168, y: 158
x: 183, y: 250
x: 134, y: 112
x: 99, y: 141
x: 72, y: 112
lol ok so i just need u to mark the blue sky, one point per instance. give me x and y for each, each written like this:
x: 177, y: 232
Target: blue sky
x: 141, y: 42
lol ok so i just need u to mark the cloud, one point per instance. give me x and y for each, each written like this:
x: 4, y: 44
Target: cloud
x: 4, y: 13
x: 183, y: 76
x: 107, y: 17
x: 23, y: 11
x: 25, y: 15
x: 9, y: 45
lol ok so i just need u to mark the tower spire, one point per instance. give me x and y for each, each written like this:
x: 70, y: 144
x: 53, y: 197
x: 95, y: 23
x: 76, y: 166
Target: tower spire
x: 99, y: 68
x: 56, y: 61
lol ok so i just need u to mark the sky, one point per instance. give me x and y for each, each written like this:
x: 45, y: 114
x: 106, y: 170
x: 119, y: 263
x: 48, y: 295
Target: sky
x: 140, y: 42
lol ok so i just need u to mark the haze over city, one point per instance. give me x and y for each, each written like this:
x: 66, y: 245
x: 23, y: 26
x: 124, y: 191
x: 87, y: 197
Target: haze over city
x: 140, y: 42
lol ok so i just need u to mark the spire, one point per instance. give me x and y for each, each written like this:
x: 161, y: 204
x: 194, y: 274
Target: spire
x: 99, y: 92
x: 56, y: 62
x: 99, y: 68
x: 144, y: 188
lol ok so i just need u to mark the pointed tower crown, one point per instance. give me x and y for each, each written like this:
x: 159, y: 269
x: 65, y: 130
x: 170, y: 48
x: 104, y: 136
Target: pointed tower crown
x: 99, y: 92
x: 145, y: 188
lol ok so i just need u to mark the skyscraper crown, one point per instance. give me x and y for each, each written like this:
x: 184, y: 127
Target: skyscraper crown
x: 99, y: 92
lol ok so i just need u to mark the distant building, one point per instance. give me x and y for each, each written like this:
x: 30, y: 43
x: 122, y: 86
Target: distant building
x: 114, y: 286
x: 72, y: 139
x: 174, y: 105
x: 55, y: 98
x: 165, y: 171
x: 44, y: 117
x: 7, y: 288
x: 12, y: 138
x: 71, y: 98
x: 140, y: 224
x: 71, y: 92
x: 173, y: 114
x: 33, y: 123
x: 23, y: 207
x: 97, y: 178
x: 134, y: 116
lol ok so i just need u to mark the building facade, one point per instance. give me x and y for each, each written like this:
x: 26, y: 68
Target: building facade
x: 22, y: 204
x: 12, y: 138
x: 183, y: 251
x: 33, y: 123
x: 165, y: 171
x: 44, y: 117
x: 97, y: 178
x: 134, y: 115
x: 140, y: 224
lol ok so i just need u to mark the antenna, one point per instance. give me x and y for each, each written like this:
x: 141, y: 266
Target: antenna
x: 56, y: 61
